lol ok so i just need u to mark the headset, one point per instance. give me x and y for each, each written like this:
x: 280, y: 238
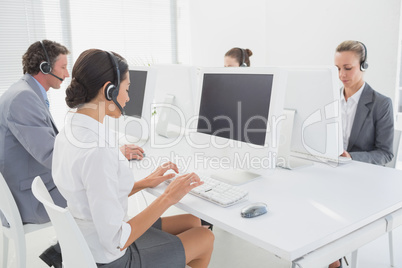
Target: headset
x: 112, y: 89
x: 45, y: 66
x: 363, y: 63
x: 243, y: 56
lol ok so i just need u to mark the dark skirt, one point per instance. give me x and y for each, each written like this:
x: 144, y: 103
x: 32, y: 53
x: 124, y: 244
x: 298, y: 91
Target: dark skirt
x: 154, y: 249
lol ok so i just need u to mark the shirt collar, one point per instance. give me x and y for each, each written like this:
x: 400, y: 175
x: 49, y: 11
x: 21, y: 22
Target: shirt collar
x: 101, y: 130
x: 355, y: 97
x: 42, y: 89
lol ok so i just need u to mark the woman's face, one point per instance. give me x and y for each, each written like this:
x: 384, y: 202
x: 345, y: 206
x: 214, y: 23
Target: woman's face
x: 123, y: 96
x: 348, y: 63
x: 230, y: 62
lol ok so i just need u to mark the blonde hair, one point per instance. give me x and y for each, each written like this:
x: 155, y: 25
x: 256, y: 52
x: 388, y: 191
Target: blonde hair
x: 355, y: 46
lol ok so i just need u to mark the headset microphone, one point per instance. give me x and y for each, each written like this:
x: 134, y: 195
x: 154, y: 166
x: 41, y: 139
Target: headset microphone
x: 56, y: 77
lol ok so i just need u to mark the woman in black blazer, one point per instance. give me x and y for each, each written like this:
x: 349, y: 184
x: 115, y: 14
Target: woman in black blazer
x: 368, y: 121
x: 367, y: 116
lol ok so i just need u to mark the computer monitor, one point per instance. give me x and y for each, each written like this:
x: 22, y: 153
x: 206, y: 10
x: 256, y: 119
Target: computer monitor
x: 135, y: 126
x: 236, y: 125
x: 313, y: 94
x: 174, y: 98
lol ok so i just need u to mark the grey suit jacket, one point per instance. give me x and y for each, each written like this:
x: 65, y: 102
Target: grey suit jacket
x: 27, y: 134
x: 372, y: 134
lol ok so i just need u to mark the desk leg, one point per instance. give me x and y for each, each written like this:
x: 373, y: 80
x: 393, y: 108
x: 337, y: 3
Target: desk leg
x: 391, y: 248
x: 354, y: 259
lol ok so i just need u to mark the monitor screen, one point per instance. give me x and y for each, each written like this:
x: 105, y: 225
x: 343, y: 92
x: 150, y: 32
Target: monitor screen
x: 138, y: 80
x: 236, y: 128
x: 236, y: 106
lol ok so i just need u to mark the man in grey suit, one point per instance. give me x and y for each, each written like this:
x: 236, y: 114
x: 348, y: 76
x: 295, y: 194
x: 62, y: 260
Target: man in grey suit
x: 27, y: 133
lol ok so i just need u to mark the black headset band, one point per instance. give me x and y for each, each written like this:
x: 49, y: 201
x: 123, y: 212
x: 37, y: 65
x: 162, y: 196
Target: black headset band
x: 115, y: 69
x: 44, y: 49
x: 364, y: 51
x: 243, y: 56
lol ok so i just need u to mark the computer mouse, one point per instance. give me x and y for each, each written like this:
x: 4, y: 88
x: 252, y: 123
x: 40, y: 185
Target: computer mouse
x: 254, y: 210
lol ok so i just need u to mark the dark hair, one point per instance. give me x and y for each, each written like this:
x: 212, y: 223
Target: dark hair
x: 35, y: 55
x: 93, y: 68
x: 237, y: 53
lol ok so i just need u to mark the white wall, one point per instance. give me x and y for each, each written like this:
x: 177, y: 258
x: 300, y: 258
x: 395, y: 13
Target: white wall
x: 292, y: 32
x: 307, y: 32
x: 217, y: 26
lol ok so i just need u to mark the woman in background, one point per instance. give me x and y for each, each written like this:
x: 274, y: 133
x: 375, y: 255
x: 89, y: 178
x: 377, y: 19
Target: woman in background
x: 237, y: 57
x: 96, y: 180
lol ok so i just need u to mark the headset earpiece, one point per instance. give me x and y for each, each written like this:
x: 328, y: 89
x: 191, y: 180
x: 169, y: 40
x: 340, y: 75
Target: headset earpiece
x: 110, y: 89
x: 45, y: 68
x: 363, y: 66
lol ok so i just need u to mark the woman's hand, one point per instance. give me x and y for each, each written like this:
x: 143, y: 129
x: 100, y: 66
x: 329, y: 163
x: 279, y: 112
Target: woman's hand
x: 132, y: 151
x: 155, y: 178
x: 159, y: 176
x: 346, y: 154
x: 180, y: 186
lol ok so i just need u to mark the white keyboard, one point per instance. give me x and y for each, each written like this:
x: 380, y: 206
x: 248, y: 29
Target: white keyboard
x: 340, y: 159
x: 217, y: 192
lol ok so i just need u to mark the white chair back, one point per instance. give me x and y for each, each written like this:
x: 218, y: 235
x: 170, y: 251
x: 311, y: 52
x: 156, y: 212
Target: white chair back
x: 16, y: 231
x: 74, y: 248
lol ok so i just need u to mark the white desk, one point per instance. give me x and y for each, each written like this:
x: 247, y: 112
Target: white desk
x: 309, y: 208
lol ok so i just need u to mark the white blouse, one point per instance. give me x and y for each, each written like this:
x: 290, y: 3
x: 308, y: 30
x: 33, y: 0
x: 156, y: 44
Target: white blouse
x: 94, y: 177
x: 348, y: 111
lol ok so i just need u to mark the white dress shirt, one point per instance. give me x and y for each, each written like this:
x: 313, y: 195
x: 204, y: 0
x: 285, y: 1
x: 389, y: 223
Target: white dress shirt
x: 349, y: 108
x: 95, y: 179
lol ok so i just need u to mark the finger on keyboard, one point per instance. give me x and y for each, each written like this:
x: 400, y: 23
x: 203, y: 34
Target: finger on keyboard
x: 217, y: 192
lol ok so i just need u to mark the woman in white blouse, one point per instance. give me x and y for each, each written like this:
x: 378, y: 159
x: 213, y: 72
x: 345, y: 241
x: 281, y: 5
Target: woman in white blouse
x: 95, y: 178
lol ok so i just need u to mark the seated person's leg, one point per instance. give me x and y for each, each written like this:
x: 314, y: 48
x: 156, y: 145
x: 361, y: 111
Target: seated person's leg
x: 197, y: 240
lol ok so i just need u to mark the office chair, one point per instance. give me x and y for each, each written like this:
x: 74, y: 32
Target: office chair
x: 16, y: 231
x: 74, y: 248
